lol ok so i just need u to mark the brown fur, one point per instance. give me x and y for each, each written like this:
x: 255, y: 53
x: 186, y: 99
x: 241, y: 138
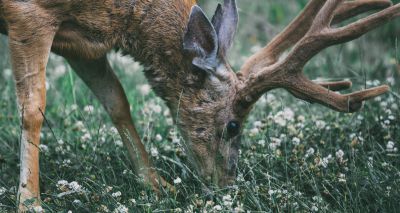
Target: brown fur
x: 209, y: 104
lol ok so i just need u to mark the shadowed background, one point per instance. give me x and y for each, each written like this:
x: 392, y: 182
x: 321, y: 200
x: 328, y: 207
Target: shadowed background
x: 292, y: 151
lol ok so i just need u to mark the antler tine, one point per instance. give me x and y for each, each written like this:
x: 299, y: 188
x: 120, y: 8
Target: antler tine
x: 309, y: 91
x: 353, y: 8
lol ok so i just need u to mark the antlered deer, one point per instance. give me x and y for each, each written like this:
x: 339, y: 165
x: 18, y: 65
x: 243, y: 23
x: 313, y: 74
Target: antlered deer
x: 185, y: 58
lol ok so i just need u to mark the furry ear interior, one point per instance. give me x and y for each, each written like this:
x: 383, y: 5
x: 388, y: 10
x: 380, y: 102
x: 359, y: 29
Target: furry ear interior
x: 201, y: 40
x: 225, y: 22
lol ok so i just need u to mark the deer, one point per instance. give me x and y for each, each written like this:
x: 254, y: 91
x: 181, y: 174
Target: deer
x: 185, y: 58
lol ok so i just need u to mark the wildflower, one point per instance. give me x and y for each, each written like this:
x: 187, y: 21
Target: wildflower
x: 178, y: 180
x: 144, y: 89
x: 88, y: 109
x: 227, y: 199
x: 325, y: 161
x: 62, y: 185
x: 275, y: 143
x: 79, y: 125
x: 119, y: 143
x: 158, y: 137
x: 254, y: 131
x: 2, y: 191
x: 116, y: 194
x: 104, y: 208
x: 38, y: 209
x: 156, y: 108
x: 257, y: 124
x: 217, y: 208
x: 310, y: 152
x: 320, y: 124
x: 390, y: 147
x: 133, y: 201
x: 296, y: 141
x: 261, y: 143
x: 154, y: 152
x: 86, y: 137
x: 342, y: 178
x: 121, y: 209
x: 77, y: 202
x: 75, y: 186
x: 43, y: 148
x: 339, y: 155
x: 314, y: 209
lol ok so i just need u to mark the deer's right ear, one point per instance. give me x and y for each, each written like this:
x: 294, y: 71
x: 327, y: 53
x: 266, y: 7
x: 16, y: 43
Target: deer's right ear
x: 201, y: 40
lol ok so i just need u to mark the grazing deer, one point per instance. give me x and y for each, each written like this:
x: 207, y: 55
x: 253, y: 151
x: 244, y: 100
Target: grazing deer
x: 185, y: 55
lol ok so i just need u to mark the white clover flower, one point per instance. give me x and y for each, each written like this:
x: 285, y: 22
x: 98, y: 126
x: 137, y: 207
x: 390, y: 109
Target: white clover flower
x: 296, y: 141
x: 390, y: 147
x: 114, y: 130
x: 309, y: 152
x: 79, y: 125
x: 178, y: 180
x: 314, y: 209
x: 144, y: 89
x: 156, y: 108
x: 154, y: 152
x: 121, y: 209
x: 43, y: 148
x: 77, y: 202
x: 118, y: 143
x: 254, y: 131
x: 275, y: 143
x: 261, y: 143
x: 38, y: 209
x: 217, y: 208
x: 86, y: 137
x: 62, y: 183
x: 339, y: 155
x: 104, y: 208
x: 227, y: 199
x: 133, y: 201
x: 88, y: 109
x: 2, y: 191
x: 342, y: 178
x: 257, y: 124
x: 116, y: 194
x: 158, y: 138
x: 271, y: 192
x: 325, y: 161
x: 320, y: 124
x: 75, y: 186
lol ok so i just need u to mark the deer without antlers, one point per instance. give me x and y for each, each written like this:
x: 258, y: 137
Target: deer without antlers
x: 185, y: 55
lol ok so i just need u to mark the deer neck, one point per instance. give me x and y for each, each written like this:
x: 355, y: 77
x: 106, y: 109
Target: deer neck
x: 156, y: 42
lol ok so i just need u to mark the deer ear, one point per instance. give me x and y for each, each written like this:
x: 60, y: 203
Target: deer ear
x: 201, y: 40
x: 225, y: 22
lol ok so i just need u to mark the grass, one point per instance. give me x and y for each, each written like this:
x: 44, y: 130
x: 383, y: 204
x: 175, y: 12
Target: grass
x: 295, y: 157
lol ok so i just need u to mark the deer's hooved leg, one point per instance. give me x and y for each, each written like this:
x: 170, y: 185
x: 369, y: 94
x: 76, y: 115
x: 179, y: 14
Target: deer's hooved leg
x: 30, y: 48
x: 100, y: 78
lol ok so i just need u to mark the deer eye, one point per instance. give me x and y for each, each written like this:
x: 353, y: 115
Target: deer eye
x: 233, y: 128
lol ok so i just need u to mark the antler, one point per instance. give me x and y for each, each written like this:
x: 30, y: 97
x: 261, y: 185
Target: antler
x: 310, y: 33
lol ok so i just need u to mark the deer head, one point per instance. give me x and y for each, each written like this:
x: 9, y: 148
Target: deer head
x: 211, y: 111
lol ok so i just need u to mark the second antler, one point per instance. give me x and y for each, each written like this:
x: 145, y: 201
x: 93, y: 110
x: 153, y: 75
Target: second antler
x: 308, y: 34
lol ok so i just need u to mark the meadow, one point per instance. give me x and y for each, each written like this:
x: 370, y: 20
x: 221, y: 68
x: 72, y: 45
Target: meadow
x: 295, y: 156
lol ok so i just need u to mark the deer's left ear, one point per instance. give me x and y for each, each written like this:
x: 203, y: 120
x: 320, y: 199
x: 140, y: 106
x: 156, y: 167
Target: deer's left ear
x: 201, y: 40
x: 225, y: 22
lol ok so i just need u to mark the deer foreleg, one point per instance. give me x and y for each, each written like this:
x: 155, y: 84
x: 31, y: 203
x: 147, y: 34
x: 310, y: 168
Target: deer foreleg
x: 100, y: 78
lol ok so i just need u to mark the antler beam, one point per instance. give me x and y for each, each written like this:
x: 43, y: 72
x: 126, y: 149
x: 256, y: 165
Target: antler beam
x: 310, y: 33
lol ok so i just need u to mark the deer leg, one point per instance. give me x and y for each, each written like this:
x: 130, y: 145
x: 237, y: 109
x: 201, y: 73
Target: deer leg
x: 100, y: 78
x: 29, y: 56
